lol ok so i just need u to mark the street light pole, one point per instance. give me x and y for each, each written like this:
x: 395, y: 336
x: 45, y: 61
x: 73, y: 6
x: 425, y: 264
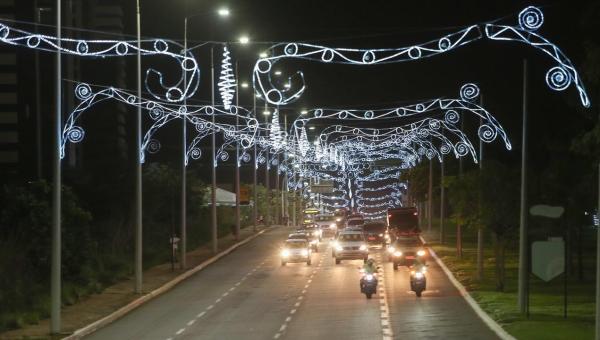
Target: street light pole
x: 237, y: 159
x: 442, y: 192
x: 213, y: 193
x: 183, y: 232
x: 523, y: 256
x: 55, y: 276
x: 480, y: 229
x: 138, y: 169
x: 429, y: 196
x: 255, y: 205
x: 598, y: 261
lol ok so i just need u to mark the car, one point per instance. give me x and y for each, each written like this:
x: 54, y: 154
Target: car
x: 311, y: 236
x: 295, y: 250
x: 376, y: 233
x: 350, y: 245
x: 327, y: 224
x: 355, y: 224
x: 405, y: 250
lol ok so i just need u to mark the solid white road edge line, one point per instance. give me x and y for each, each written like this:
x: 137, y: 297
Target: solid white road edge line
x: 491, y: 323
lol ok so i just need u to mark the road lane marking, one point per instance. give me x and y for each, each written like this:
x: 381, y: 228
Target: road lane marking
x: 191, y: 322
x: 293, y: 311
x: 180, y: 331
x: 288, y: 319
x: 200, y: 314
x: 209, y: 307
x: 217, y: 300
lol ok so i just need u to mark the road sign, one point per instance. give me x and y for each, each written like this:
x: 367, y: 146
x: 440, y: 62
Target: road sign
x: 546, y: 211
x: 244, y: 195
x: 548, y: 258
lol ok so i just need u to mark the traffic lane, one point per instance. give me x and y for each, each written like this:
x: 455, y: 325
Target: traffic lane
x: 168, y: 313
x: 259, y: 308
x: 441, y: 312
x: 334, y: 307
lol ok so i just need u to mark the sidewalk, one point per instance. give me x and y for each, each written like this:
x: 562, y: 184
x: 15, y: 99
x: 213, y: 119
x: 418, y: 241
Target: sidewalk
x: 96, y: 306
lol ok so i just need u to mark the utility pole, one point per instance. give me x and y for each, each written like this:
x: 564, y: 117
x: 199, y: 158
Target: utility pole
x: 254, y: 191
x: 523, y: 255
x: 183, y: 231
x: 598, y: 262
x: 55, y: 276
x: 480, y: 229
x: 138, y: 169
x: 213, y: 193
x: 237, y: 159
x: 430, y: 196
x: 442, y: 192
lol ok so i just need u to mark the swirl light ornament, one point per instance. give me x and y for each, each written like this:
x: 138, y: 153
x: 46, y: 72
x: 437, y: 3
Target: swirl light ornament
x: 177, y: 91
x: 161, y: 113
x: 529, y: 20
x: 227, y: 81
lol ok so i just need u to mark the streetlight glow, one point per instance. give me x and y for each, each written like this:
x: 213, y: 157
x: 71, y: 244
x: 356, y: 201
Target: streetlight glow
x: 244, y: 85
x: 223, y: 12
x: 263, y: 54
x: 277, y: 73
x: 311, y: 128
x: 244, y: 40
x: 266, y: 112
x: 303, y: 112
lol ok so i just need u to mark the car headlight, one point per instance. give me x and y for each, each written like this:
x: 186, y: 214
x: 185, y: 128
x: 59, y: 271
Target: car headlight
x: 304, y: 252
x: 316, y: 233
x: 391, y: 250
x: 285, y: 253
x: 338, y: 247
x: 419, y: 275
x: 338, y: 219
x: 397, y: 253
x: 332, y: 226
x: 380, y: 235
x: 369, y: 277
x: 313, y: 242
x: 362, y: 247
x: 421, y: 252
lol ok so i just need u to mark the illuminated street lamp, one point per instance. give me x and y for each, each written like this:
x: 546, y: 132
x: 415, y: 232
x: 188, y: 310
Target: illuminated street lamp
x: 223, y: 12
x: 244, y: 40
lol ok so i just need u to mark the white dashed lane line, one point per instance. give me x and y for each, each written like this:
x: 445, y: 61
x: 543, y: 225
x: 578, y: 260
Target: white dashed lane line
x: 383, y: 304
x: 217, y: 301
x: 293, y: 311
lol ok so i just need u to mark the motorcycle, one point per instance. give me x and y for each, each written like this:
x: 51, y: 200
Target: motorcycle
x: 368, y: 284
x: 418, y: 281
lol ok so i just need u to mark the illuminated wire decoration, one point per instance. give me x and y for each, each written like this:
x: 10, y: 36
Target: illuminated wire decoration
x: 227, y: 81
x: 177, y: 91
x: 530, y: 19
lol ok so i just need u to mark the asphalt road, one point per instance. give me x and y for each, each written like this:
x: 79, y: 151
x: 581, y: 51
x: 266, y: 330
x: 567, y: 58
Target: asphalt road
x: 249, y: 295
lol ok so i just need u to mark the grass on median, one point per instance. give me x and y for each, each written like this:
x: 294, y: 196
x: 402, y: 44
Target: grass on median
x: 546, y: 298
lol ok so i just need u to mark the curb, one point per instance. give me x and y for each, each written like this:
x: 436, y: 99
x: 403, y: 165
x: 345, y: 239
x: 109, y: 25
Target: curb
x: 491, y: 323
x: 119, y: 313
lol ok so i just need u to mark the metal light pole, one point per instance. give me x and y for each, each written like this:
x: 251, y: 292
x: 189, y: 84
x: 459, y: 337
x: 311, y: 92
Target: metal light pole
x: 295, y: 198
x: 138, y: 169
x: 55, y: 276
x: 254, y: 192
x: 429, y: 196
x: 183, y: 232
x: 213, y: 193
x: 598, y: 263
x: 442, y: 192
x: 267, y: 184
x: 523, y: 255
x: 237, y: 160
x: 480, y: 229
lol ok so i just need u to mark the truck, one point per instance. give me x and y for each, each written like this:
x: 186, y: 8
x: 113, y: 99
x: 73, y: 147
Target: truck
x: 403, y: 221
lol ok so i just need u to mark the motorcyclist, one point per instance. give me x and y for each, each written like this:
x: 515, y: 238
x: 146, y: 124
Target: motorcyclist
x: 369, y: 267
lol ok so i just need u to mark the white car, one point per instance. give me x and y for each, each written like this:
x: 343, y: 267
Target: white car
x: 296, y: 250
x: 350, y: 245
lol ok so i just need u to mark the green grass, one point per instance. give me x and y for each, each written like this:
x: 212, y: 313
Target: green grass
x: 546, y: 298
